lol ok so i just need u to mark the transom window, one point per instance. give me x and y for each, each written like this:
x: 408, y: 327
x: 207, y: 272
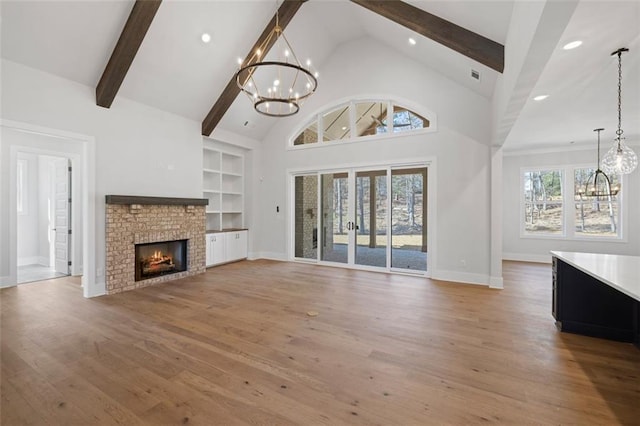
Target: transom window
x: 360, y: 119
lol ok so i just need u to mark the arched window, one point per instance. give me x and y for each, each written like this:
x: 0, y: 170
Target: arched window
x: 359, y: 119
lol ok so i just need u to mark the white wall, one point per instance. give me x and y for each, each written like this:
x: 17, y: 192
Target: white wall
x: 459, y: 147
x: 139, y: 150
x: 45, y: 163
x: 537, y: 249
x: 28, y: 242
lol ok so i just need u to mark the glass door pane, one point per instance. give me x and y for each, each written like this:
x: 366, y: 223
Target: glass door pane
x: 408, y: 220
x: 371, y: 218
x: 306, y: 217
x: 335, y: 217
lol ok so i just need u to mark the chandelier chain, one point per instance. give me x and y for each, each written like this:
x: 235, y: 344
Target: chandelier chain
x: 619, y: 131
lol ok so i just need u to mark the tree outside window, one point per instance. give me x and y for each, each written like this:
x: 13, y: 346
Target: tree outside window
x: 595, y: 216
x: 543, y: 203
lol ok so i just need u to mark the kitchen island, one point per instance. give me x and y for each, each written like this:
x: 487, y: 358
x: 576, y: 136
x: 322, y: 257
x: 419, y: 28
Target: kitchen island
x: 597, y: 295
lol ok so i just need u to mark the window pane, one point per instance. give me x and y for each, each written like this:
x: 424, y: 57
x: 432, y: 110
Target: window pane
x: 543, y: 202
x: 308, y: 135
x: 371, y: 118
x: 408, y: 221
x: 335, y: 124
x: 306, y: 217
x: 595, y: 216
x: 405, y: 120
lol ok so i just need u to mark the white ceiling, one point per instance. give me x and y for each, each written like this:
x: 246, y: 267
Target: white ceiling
x: 176, y: 72
x: 582, y: 83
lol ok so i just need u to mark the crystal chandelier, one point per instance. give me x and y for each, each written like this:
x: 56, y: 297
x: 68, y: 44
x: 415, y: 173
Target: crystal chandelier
x: 620, y: 159
x: 276, y: 87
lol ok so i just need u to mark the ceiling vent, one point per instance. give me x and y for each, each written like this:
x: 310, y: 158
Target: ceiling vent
x: 475, y: 75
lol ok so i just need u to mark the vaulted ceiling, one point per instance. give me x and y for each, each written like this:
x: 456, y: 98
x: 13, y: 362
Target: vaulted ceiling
x: 175, y: 71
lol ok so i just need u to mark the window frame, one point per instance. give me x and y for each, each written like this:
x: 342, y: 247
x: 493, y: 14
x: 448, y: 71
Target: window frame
x: 317, y: 118
x: 563, y: 220
x: 568, y: 202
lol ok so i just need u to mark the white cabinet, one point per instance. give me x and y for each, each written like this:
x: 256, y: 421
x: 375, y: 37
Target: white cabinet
x: 236, y: 245
x: 223, y: 186
x: 223, y: 247
x: 215, y: 249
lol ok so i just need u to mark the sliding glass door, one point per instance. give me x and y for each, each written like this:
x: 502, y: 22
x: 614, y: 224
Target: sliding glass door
x: 366, y: 218
x: 371, y: 218
x: 334, y: 218
x: 408, y: 226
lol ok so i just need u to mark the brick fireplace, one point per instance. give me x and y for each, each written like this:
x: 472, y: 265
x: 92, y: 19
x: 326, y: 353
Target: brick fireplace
x: 157, y: 222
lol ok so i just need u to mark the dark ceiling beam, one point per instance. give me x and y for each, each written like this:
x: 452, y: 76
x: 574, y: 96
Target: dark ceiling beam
x: 468, y: 43
x: 285, y: 13
x: 125, y: 51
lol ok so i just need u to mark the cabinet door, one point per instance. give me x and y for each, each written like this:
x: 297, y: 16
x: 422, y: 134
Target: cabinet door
x: 236, y: 245
x: 209, y: 251
x: 218, y: 248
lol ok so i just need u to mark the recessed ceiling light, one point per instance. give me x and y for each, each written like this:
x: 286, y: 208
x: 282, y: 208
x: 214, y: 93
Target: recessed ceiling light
x: 206, y: 37
x: 344, y: 127
x: 572, y: 45
x: 412, y: 41
x: 540, y: 97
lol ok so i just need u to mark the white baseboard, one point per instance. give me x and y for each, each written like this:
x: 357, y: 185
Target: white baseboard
x: 524, y: 257
x: 269, y: 256
x: 496, y: 282
x: 33, y: 260
x: 98, y: 288
x: 460, y: 277
x: 6, y: 281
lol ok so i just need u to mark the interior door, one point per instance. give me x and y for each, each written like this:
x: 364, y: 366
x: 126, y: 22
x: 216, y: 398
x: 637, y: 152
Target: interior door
x: 62, y: 214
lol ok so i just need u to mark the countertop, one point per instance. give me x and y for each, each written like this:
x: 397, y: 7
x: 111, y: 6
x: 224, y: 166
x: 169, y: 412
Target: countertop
x: 617, y: 271
x: 218, y: 231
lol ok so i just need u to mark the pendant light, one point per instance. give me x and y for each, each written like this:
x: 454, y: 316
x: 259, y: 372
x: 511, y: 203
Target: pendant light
x: 620, y: 159
x: 598, y: 185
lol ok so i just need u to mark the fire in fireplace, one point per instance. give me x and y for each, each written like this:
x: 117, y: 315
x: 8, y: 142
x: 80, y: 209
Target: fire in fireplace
x: 163, y: 258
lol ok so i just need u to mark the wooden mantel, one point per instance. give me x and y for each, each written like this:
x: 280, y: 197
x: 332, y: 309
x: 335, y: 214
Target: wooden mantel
x: 158, y: 201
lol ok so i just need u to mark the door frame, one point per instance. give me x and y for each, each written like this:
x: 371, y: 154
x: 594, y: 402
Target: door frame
x: 430, y: 214
x: 84, y: 189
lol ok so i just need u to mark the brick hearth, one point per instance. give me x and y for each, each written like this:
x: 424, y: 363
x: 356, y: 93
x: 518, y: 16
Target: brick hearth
x: 141, y: 221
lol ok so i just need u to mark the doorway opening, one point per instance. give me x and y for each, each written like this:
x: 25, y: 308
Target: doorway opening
x: 366, y: 218
x: 43, y: 216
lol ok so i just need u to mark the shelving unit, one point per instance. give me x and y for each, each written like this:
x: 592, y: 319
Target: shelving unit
x: 223, y: 186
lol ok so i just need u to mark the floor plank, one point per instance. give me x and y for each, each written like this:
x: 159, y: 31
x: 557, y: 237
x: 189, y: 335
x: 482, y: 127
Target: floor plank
x: 235, y: 346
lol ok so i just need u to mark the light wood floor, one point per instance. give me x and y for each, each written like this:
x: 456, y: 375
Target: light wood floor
x: 236, y: 346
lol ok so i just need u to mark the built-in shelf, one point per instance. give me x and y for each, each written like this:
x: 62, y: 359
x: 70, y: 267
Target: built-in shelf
x: 223, y: 188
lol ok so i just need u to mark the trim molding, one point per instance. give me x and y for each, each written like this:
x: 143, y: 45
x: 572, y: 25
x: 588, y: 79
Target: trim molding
x: 526, y: 257
x: 460, y: 277
x: 496, y: 282
x: 33, y: 260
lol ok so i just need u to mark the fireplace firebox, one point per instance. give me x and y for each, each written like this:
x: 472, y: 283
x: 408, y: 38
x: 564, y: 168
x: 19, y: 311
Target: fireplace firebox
x: 161, y: 258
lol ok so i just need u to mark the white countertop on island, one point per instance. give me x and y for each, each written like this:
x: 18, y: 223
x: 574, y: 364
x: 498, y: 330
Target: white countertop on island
x: 618, y: 271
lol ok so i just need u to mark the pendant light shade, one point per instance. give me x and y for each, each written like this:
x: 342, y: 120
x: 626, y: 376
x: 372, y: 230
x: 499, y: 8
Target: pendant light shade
x: 620, y: 159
